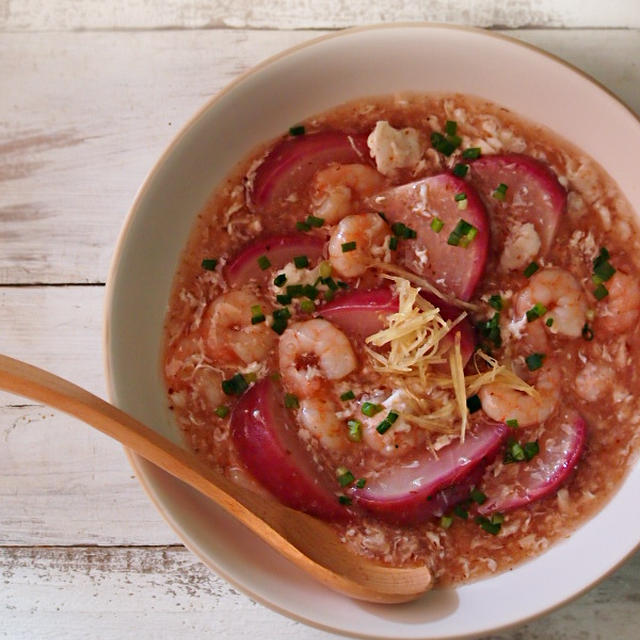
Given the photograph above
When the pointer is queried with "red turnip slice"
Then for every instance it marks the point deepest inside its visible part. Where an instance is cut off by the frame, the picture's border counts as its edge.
(293, 162)
(520, 483)
(362, 313)
(265, 436)
(456, 269)
(533, 193)
(280, 250)
(404, 494)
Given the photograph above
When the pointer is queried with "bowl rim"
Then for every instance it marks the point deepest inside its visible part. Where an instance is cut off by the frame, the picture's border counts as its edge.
(137, 462)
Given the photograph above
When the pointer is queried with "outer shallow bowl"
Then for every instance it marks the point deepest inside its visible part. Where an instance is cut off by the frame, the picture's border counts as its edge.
(259, 106)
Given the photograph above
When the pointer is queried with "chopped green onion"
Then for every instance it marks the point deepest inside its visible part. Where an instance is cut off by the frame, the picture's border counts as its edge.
(463, 233)
(531, 449)
(222, 411)
(537, 311)
(512, 423)
(283, 299)
(258, 318)
(291, 401)
(345, 477)
(460, 170)
(531, 269)
(495, 301)
(346, 500)
(310, 291)
(302, 226)
(295, 290)
(386, 424)
(600, 292)
(451, 127)
(342, 285)
(393, 243)
(280, 320)
(329, 295)
(500, 191)
(235, 386)
(490, 526)
(549, 322)
(348, 395)
(370, 409)
(534, 361)
(603, 256)
(301, 262)
(477, 496)
(587, 332)
(209, 264)
(298, 130)
(473, 403)
(461, 512)
(437, 224)
(462, 201)
(361, 482)
(381, 214)
(307, 306)
(472, 153)
(491, 329)
(348, 246)
(444, 145)
(446, 522)
(264, 262)
(314, 221)
(513, 453)
(325, 269)
(402, 231)
(355, 430)
(279, 280)
(460, 196)
(603, 272)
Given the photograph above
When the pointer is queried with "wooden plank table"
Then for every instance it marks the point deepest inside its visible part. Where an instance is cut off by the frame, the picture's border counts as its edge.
(90, 95)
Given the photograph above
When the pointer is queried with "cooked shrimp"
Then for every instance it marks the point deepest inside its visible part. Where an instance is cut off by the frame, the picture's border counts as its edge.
(339, 189)
(208, 384)
(621, 307)
(229, 335)
(311, 353)
(318, 416)
(561, 295)
(594, 381)
(356, 243)
(501, 402)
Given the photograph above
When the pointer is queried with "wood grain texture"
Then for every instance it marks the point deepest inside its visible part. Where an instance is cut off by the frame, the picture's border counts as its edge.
(164, 592)
(88, 114)
(60, 15)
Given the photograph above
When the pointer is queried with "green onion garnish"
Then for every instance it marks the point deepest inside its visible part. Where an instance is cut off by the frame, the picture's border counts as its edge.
(477, 496)
(310, 291)
(298, 130)
(451, 127)
(437, 224)
(402, 231)
(370, 409)
(342, 285)
(331, 283)
(386, 424)
(512, 423)
(264, 262)
(307, 306)
(295, 290)
(222, 411)
(463, 233)
(381, 214)
(534, 361)
(587, 332)
(500, 191)
(472, 153)
(235, 386)
(491, 329)
(461, 512)
(361, 482)
(600, 292)
(302, 226)
(513, 453)
(393, 243)
(355, 430)
(291, 401)
(325, 269)
(531, 269)
(301, 262)
(209, 264)
(280, 320)
(549, 322)
(345, 477)
(473, 403)
(460, 196)
(314, 221)
(283, 298)
(444, 145)
(603, 272)
(279, 280)
(492, 525)
(345, 500)
(348, 395)
(446, 522)
(348, 246)
(531, 449)
(460, 170)
(603, 256)
(537, 311)
(495, 301)
(257, 316)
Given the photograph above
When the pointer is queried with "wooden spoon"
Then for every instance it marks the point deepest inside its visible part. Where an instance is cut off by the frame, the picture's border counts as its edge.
(311, 544)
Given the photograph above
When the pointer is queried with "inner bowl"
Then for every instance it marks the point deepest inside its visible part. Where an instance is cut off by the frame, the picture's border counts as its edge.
(257, 107)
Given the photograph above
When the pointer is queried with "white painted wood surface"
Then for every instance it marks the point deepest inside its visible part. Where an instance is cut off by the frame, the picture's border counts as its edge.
(90, 94)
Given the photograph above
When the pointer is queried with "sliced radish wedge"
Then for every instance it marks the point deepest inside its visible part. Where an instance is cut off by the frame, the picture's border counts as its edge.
(520, 483)
(362, 313)
(457, 269)
(279, 250)
(293, 162)
(265, 436)
(533, 193)
(404, 494)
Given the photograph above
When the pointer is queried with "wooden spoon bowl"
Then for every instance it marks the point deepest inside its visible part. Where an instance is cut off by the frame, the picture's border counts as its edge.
(311, 544)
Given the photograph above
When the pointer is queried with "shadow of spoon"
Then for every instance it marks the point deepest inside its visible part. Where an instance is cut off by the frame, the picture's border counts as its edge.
(311, 544)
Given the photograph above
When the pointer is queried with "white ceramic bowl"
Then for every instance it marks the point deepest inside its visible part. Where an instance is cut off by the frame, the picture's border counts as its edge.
(260, 105)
